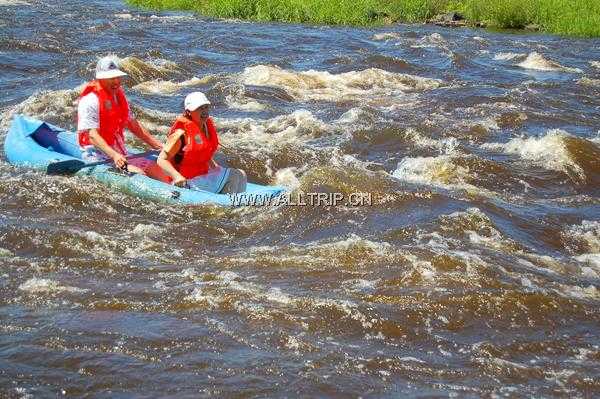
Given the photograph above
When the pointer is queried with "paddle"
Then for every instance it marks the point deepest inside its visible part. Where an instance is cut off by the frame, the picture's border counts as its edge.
(73, 166)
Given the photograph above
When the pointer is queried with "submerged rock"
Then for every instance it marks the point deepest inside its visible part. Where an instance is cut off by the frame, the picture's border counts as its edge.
(452, 19)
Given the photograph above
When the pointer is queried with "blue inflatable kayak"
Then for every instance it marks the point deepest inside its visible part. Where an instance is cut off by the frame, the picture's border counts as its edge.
(33, 143)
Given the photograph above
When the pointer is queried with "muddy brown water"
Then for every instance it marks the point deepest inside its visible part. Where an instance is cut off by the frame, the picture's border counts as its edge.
(475, 271)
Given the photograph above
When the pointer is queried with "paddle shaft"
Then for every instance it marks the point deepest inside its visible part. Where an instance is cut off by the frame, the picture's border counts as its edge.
(141, 154)
(73, 166)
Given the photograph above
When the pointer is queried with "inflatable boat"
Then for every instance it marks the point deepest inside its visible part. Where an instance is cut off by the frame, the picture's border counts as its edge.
(40, 145)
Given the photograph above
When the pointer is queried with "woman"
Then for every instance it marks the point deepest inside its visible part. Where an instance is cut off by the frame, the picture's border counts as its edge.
(188, 155)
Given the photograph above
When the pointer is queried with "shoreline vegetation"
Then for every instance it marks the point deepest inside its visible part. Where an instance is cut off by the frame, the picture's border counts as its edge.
(563, 17)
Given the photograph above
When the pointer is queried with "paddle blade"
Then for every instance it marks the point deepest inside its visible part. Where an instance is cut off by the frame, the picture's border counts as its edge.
(69, 167)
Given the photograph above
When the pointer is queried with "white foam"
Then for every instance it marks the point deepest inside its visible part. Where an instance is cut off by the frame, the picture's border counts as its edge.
(95, 237)
(316, 255)
(23, 394)
(293, 343)
(411, 359)
(124, 16)
(189, 274)
(431, 170)
(167, 87)
(595, 64)
(432, 40)
(360, 285)
(103, 246)
(590, 259)
(548, 151)
(358, 117)
(386, 36)
(488, 124)
(495, 240)
(258, 136)
(228, 276)
(13, 3)
(560, 377)
(472, 224)
(163, 123)
(575, 291)
(424, 268)
(587, 354)
(589, 272)
(44, 105)
(588, 232)
(141, 70)
(341, 160)
(367, 85)
(547, 264)
(537, 61)
(198, 295)
(525, 282)
(238, 100)
(349, 308)
(508, 56)
(145, 230)
(256, 301)
(287, 178)
(46, 286)
(503, 364)
(448, 146)
(246, 105)
(585, 81)
(278, 296)
(353, 241)
(380, 249)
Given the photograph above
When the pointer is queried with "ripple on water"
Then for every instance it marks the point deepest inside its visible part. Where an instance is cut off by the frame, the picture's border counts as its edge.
(474, 272)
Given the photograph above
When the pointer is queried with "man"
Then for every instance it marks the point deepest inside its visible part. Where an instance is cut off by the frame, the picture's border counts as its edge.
(103, 114)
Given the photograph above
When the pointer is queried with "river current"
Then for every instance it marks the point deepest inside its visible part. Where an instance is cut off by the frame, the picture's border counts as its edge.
(474, 271)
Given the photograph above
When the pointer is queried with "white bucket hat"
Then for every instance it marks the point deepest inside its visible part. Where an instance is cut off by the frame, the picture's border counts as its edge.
(195, 100)
(108, 67)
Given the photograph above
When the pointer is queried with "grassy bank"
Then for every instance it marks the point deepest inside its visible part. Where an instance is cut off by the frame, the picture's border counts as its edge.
(567, 17)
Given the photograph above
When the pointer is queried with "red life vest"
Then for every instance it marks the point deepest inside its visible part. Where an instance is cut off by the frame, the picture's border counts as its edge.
(199, 147)
(113, 115)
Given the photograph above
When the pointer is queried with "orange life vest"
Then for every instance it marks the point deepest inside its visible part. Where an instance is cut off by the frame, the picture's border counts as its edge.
(194, 157)
(113, 115)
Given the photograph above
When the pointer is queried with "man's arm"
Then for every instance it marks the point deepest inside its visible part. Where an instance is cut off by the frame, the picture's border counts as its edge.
(138, 130)
(101, 144)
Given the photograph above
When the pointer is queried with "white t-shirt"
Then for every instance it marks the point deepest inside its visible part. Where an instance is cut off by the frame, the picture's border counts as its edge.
(88, 113)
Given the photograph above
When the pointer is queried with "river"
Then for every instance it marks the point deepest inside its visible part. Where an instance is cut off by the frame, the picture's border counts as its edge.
(474, 271)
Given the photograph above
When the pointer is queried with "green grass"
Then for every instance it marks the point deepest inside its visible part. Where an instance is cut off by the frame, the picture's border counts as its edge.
(332, 12)
(566, 17)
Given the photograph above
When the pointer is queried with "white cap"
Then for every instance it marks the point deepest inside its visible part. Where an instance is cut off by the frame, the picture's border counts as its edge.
(195, 100)
(108, 67)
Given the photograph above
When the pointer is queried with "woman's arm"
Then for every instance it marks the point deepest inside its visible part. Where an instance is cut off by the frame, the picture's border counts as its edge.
(165, 157)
